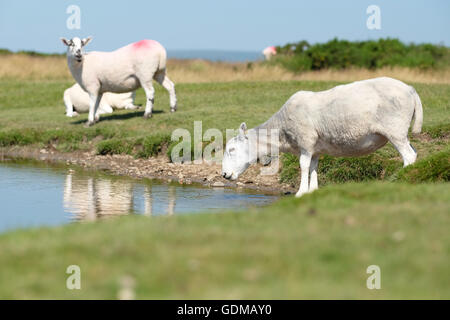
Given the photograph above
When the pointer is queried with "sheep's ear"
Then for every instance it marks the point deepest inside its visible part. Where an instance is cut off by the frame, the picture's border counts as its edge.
(242, 129)
(66, 42)
(85, 41)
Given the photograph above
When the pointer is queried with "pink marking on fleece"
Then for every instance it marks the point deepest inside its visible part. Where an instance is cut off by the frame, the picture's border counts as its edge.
(143, 44)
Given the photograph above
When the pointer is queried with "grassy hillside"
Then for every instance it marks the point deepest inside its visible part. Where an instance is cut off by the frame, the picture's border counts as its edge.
(38, 119)
(318, 246)
(38, 67)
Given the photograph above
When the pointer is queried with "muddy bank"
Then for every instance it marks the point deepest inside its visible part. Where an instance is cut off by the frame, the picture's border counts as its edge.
(153, 168)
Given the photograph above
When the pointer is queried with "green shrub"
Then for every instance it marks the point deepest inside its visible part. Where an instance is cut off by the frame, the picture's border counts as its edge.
(431, 169)
(114, 146)
(357, 169)
(16, 137)
(152, 145)
(371, 54)
(289, 168)
(340, 169)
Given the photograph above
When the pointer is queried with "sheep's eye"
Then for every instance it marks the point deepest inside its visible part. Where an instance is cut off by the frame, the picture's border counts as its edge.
(231, 150)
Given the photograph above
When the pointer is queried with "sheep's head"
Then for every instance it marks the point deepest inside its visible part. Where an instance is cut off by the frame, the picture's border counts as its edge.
(237, 157)
(75, 47)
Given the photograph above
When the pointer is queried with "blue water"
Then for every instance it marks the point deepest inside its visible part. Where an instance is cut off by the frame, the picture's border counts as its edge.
(34, 195)
(216, 55)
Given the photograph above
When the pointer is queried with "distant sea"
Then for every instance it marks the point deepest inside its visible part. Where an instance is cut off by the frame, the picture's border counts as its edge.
(216, 55)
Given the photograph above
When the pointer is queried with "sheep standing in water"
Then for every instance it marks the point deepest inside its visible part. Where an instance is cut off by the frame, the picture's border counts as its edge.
(77, 101)
(349, 120)
(123, 70)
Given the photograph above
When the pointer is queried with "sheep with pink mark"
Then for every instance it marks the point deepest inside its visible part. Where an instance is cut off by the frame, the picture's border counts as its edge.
(123, 70)
(269, 52)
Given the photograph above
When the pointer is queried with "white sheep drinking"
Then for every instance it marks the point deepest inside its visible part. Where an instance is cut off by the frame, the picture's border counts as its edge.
(77, 101)
(348, 120)
(123, 70)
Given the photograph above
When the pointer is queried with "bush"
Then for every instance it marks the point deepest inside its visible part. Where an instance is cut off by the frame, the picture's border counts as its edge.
(16, 137)
(357, 169)
(290, 168)
(152, 145)
(340, 169)
(431, 169)
(341, 54)
(114, 146)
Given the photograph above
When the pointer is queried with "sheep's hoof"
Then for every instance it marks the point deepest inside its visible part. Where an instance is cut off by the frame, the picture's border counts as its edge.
(147, 115)
(299, 194)
(173, 109)
(89, 124)
(96, 119)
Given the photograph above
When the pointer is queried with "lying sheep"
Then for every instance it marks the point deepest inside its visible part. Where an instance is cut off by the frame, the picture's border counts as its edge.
(77, 101)
(123, 70)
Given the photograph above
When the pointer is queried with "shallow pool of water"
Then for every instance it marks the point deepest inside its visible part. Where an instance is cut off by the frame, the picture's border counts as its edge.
(36, 194)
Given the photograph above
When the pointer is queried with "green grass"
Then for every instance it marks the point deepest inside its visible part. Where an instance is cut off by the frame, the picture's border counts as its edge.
(433, 168)
(318, 246)
(33, 113)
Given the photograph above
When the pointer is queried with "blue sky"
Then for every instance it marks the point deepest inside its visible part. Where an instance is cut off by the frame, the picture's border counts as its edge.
(223, 25)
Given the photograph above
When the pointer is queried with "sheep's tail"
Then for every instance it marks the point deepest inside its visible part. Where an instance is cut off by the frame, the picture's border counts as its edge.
(162, 59)
(418, 114)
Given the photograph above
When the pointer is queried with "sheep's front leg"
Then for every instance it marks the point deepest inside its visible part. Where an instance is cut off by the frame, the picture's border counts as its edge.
(93, 107)
(150, 94)
(305, 161)
(313, 184)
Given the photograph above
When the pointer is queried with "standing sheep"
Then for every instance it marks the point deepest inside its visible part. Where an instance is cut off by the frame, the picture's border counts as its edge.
(269, 52)
(77, 101)
(348, 120)
(123, 70)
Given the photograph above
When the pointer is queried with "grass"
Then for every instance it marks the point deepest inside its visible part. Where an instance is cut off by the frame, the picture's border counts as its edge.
(38, 119)
(431, 169)
(54, 68)
(318, 246)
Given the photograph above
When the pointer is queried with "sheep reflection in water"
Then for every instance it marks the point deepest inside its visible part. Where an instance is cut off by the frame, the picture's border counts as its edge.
(90, 198)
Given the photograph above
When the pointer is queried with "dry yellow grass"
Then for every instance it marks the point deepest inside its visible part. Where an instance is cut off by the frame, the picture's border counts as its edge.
(23, 67)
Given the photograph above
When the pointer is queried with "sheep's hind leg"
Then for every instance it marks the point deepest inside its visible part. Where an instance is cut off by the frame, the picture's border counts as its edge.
(164, 80)
(150, 94)
(305, 162)
(406, 151)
